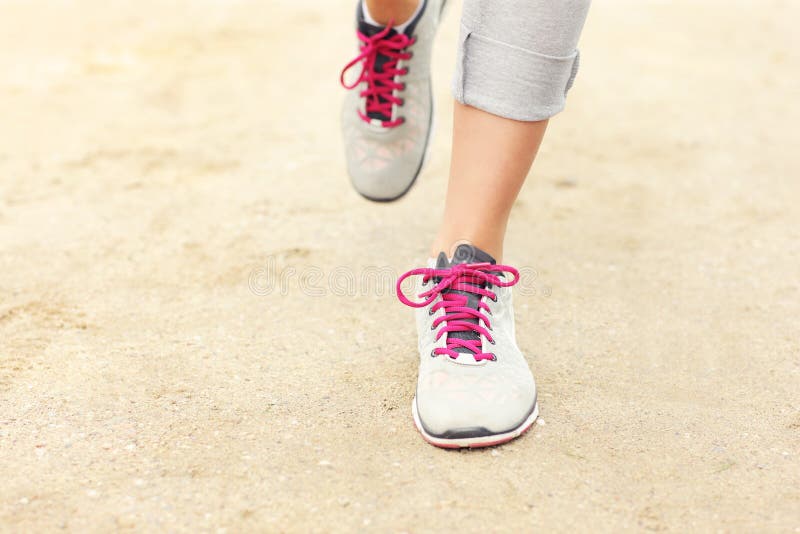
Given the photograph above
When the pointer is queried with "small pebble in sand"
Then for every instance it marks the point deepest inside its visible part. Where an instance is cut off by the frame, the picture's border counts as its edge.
(540, 422)
(92, 493)
(127, 521)
(324, 463)
(24, 500)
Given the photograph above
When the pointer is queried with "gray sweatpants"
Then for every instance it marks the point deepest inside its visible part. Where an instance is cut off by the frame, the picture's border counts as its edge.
(518, 58)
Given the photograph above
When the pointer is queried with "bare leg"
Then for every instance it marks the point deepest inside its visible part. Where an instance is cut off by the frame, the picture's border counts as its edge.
(517, 60)
(490, 159)
(395, 11)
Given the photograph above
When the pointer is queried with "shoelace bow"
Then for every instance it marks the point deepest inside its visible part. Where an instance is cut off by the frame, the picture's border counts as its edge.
(380, 85)
(468, 277)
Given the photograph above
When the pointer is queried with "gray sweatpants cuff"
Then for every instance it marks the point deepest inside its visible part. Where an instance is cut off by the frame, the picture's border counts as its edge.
(510, 81)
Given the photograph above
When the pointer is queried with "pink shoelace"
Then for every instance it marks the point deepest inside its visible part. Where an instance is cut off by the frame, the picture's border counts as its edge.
(468, 277)
(380, 85)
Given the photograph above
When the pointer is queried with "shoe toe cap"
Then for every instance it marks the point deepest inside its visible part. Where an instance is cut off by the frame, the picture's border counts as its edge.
(383, 163)
(475, 410)
(383, 176)
(382, 185)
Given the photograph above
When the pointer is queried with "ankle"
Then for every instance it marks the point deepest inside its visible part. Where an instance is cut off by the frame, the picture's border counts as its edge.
(447, 243)
(395, 11)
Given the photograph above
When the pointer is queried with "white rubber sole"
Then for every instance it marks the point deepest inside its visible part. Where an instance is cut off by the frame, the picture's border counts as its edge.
(484, 441)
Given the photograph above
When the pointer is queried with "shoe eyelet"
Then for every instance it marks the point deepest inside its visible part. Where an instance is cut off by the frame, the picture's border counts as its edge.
(494, 298)
(491, 341)
(406, 71)
(433, 327)
(402, 102)
(433, 353)
(494, 357)
(402, 120)
(430, 311)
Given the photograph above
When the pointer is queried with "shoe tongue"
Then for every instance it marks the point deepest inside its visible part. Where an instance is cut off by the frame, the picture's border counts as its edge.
(369, 30)
(471, 254)
(441, 261)
(465, 254)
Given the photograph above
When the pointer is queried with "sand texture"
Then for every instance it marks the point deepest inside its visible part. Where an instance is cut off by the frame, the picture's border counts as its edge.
(189, 342)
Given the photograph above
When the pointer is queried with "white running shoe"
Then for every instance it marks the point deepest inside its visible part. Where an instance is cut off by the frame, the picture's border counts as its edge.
(475, 388)
(387, 115)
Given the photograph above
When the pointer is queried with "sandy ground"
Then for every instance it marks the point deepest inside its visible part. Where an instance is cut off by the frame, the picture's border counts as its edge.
(158, 158)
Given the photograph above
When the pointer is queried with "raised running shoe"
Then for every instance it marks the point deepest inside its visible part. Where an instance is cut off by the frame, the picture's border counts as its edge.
(387, 114)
